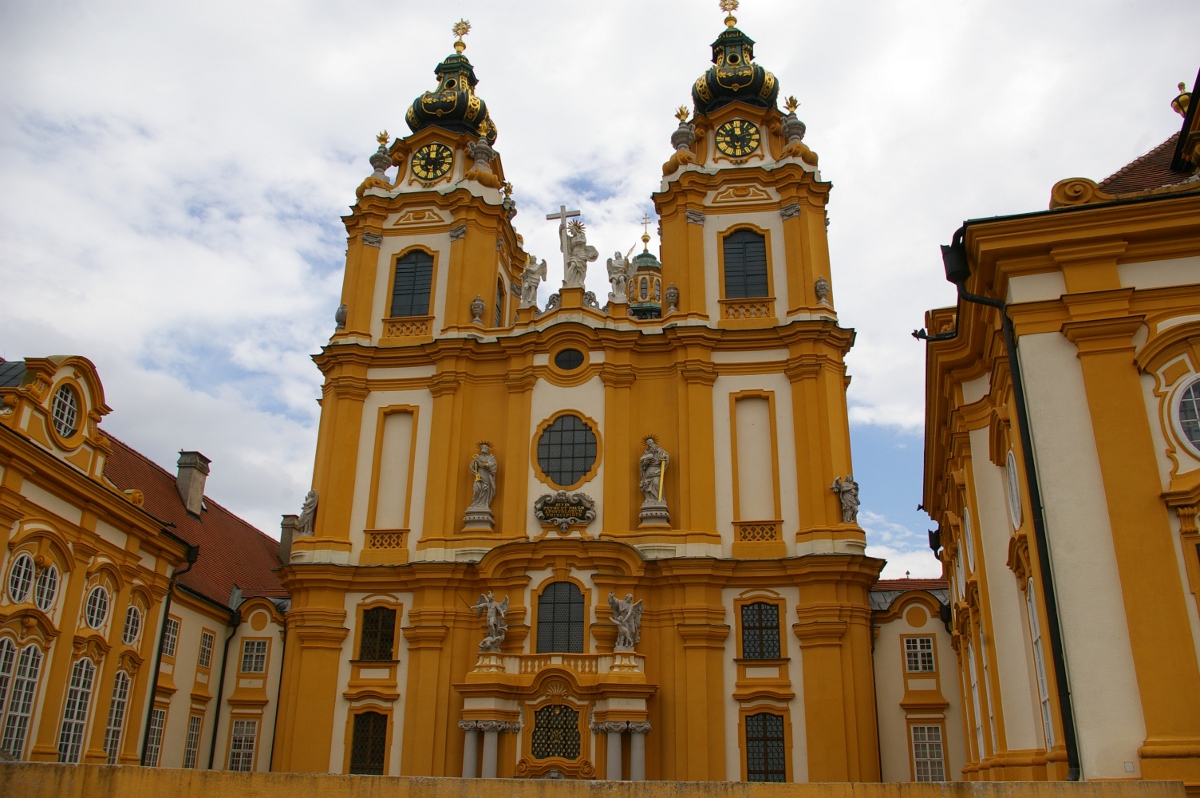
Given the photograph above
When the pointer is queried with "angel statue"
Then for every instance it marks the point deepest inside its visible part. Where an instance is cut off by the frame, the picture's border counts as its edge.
(847, 492)
(497, 625)
(532, 275)
(576, 252)
(620, 272)
(308, 515)
(627, 615)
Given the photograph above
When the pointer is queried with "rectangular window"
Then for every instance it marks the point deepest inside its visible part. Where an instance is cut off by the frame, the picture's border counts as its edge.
(378, 633)
(192, 743)
(975, 702)
(158, 720)
(760, 631)
(79, 697)
(241, 745)
(20, 704)
(412, 284)
(765, 755)
(1039, 664)
(929, 764)
(206, 649)
(116, 717)
(254, 656)
(745, 254)
(369, 744)
(918, 654)
(170, 637)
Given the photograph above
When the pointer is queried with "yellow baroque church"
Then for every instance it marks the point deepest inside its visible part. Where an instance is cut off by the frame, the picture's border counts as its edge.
(649, 501)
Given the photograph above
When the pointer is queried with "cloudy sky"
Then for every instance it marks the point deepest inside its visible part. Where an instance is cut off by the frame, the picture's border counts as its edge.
(172, 176)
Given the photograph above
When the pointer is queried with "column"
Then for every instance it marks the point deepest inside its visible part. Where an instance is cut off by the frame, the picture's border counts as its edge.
(637, 750)
(491, 737)
(613, 730)
(470, 767)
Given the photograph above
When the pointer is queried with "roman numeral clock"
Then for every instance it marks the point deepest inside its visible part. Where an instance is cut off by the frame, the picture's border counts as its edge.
(738, 138)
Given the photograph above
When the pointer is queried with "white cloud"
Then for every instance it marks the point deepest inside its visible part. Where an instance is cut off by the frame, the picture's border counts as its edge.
(174, 173)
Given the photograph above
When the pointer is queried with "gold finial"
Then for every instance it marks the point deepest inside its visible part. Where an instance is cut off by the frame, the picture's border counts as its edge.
(729, 6)
(507, 187)
(460, 29)
(791, 103)
(1182, 101)
(682, 113)
(382, 138)
(645, 232)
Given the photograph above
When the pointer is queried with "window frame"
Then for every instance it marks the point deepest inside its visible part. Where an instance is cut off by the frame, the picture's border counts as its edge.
(211, 636)
(87, 606)
(191, 744)
(390, 297)
(30, 683)
(156, 730)
(927, 723)
(114, 728)
(355, 712)
(744, 715)
(37, 588)
(266, 656)
(242, 752)
(76, 707)
(537, 619)
(545, 425)
(362, 629)
(904, 652)
(172, 634)
(722, 283)
(30, 577)
(739, 605)
(1176, 407)
(73, 440)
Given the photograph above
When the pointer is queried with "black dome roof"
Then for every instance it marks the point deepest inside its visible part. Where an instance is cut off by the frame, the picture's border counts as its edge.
(453, 105)
(733, 75)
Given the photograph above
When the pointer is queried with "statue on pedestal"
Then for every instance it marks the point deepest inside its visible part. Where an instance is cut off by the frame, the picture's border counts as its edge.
(483, 489)
(533, 274)
(577, 253)
(653, 468)
(620, 272)
(497, 623)
(627, 615)
(308, 515)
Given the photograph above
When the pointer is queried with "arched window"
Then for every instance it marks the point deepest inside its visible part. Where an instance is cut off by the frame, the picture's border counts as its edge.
(369, 745)
(745, 254)
(645, 285)
(560, 619)
(410, 289)
(79, 698)
(20, 700)
(116, 716)
(765, 743)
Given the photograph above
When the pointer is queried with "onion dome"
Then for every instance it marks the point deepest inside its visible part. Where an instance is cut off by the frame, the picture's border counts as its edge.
(453, 105)
(733, 75)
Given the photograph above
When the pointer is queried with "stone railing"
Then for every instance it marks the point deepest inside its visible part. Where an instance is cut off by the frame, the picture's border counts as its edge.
(748, 308)
(407, 327)
(757, 531)
(386, 539)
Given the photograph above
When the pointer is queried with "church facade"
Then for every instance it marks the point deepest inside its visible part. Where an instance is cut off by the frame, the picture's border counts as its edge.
(648, 504)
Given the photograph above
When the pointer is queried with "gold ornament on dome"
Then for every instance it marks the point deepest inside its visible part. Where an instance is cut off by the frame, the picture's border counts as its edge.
(791, 103)
(382, 138)
(729, 6)
(682, 113)
(460, 29)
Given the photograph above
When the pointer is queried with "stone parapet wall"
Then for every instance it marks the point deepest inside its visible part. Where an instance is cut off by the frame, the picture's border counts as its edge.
(37, 780)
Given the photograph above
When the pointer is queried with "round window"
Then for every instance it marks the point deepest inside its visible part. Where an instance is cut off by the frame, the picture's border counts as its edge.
(133, 625)
(65, 411)
(47, 588)
(96, 609)
(1014, 490)
(20, 578)
(1188, 415)
(568, 359)
(566, 450)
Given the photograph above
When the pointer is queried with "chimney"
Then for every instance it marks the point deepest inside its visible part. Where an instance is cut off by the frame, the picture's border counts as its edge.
(193, 469)
(287, 531)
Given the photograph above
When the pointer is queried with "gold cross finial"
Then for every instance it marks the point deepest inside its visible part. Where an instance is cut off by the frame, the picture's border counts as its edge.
(460, 29)
(646, 232)
(382, 138)
(729, 6)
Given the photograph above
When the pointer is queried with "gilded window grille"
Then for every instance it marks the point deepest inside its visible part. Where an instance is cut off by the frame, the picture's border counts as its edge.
(556, 733)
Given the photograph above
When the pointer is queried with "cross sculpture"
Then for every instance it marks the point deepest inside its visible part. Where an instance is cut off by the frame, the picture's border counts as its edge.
(574, 246)
(563, 240)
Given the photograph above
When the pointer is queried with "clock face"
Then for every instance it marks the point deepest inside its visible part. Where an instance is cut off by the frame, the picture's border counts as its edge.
(738, 138)
(432, 161)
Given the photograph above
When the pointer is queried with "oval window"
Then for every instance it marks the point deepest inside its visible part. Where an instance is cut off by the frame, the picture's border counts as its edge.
(96, 609)
(20, 578)
(1014, 490)
(1188, 414)
(65, 411)
(133, 625)
(568, 359)
(566, 450)
(47, 588)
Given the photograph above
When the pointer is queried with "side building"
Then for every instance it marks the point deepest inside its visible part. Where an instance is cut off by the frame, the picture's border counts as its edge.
(1062, 464)
(119, 575)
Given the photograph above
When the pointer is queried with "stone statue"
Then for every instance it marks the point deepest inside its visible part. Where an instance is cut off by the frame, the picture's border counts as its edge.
(627, 615)
(483, 469)
(847, 492)
(821, 289)
(497, 623)
(577, 253)
(652, 466)
(477, 310)
(620, 272)
(308, 515)
(533, 275)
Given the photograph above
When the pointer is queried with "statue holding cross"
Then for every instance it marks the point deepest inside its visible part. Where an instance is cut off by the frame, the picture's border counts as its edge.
(576, 251)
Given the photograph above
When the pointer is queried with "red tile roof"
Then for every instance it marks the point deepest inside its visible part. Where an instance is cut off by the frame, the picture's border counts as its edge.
(1152, 170)
(911, 584)
(232, 552)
